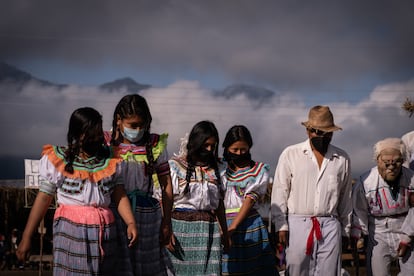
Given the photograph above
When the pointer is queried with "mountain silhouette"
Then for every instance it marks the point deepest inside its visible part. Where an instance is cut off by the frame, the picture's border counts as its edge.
(11, 75)
(125, 83)
(250, 91)
(14, 76)
(258, 96)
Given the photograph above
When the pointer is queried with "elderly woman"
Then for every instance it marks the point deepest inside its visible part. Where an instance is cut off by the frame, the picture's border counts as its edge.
(381, 202)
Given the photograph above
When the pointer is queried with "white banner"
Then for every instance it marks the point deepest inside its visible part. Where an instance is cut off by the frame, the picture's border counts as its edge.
(31, 168)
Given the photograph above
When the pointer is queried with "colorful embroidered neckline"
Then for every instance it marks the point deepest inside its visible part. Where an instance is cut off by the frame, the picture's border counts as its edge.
(93, 169)
(241, 177)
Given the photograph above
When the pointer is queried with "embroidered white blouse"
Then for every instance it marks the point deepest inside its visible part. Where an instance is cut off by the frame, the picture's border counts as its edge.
(247, 182)
(91, 184)
(205, 190)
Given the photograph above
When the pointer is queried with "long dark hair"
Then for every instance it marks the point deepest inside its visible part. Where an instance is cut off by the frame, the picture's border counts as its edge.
(128, 106)
(85, 125)
(199, 134)
(237, 133)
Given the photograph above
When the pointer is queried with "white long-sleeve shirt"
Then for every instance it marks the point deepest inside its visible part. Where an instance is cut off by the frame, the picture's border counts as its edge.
(302, 188)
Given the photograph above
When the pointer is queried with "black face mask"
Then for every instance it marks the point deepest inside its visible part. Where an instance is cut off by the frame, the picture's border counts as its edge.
(321, 143)
(205, 156)
(240, 160)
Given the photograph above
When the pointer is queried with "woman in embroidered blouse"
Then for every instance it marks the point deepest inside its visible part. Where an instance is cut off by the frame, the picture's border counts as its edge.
(148, 184)
(198, 219)
(246, 183)
(85, 176)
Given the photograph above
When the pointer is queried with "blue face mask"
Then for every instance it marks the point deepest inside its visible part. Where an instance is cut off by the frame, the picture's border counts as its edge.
(133, 135)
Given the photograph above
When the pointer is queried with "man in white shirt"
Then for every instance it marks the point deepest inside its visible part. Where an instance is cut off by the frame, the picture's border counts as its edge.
(381, 202)
(311, 199)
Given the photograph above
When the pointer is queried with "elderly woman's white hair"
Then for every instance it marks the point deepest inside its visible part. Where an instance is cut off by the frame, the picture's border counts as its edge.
(390, 143)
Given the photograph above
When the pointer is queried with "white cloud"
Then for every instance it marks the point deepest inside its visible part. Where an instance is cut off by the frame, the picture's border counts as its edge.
(37, 115)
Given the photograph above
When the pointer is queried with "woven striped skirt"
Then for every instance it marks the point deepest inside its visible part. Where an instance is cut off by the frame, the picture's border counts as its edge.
(251, 252)
(84, 241)
(198, 243)
(147, 257)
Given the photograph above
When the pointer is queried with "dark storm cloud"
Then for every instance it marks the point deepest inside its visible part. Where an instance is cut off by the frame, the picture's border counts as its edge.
(282, 43)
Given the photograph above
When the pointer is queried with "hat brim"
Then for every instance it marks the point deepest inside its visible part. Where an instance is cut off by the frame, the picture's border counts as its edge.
(325, 129)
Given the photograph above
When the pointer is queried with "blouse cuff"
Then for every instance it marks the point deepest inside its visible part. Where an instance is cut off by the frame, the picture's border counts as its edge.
(254, 196)
(47, 187)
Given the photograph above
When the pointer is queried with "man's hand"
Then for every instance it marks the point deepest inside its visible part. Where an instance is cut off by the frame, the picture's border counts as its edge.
(411, 199)
(284, 238)
(402, 249)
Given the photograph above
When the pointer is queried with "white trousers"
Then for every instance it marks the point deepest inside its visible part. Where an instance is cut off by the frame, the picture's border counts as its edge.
(325, 255)
(383, 240)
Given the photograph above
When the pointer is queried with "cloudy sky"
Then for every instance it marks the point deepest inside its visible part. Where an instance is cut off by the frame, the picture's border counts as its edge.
(355, 56)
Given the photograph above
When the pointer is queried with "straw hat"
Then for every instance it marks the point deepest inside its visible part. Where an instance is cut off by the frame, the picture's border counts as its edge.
(320, 117)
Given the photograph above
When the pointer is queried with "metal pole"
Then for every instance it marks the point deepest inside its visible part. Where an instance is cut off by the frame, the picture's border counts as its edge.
(41, 230)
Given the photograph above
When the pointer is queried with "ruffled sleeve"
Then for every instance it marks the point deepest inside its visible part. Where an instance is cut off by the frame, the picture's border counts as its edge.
(162, 167)
(222, 170)
(178, 174)
(49, 176)
(258, 188)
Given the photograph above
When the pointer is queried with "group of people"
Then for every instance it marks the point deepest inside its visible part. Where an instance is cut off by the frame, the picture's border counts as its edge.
(317, 211)
(126, 208)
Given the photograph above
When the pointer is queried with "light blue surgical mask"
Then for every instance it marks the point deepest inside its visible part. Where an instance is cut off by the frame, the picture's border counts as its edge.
(133, 135)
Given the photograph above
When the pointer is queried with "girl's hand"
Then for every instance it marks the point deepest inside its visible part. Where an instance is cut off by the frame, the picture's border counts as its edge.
(166, 233)
(132, 234)
(171, 244)
(227, 242)
(23, 250)
(231, 230)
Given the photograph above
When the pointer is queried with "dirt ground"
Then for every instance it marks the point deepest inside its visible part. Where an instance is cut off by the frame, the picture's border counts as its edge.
(351, 271)
(33, 271)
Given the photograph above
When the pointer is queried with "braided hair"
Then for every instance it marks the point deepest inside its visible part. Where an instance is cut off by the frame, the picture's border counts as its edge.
(200, 133)
(85, 127)
(135, 105)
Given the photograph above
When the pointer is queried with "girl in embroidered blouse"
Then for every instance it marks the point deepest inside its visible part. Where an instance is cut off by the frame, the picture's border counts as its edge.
(198, 219)
(148, 184)
(246, 182)
(85, 176)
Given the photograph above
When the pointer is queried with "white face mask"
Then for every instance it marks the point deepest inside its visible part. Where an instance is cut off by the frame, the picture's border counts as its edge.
(133, 135)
